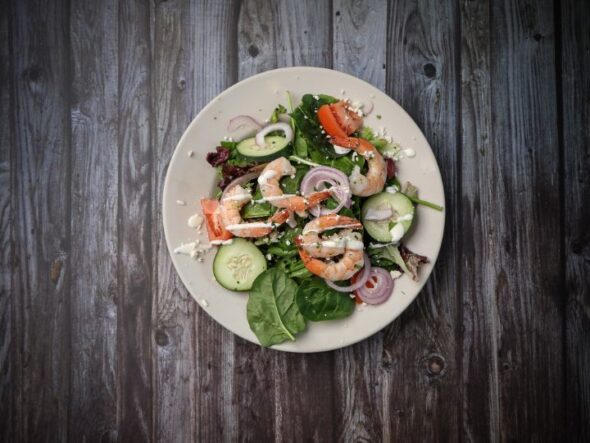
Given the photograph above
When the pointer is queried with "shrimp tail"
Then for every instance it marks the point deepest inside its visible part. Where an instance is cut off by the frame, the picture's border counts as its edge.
(317, 197)
(346, 142)
(280, 217)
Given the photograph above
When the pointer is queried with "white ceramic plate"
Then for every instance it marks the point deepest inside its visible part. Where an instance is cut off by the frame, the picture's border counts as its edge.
(190, 178)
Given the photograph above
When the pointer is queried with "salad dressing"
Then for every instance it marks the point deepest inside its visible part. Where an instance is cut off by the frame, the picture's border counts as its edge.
(397, 232)
(255, 225)
(265, 177)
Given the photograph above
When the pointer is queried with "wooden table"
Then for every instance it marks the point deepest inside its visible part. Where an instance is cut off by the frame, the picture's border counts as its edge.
(99, 340)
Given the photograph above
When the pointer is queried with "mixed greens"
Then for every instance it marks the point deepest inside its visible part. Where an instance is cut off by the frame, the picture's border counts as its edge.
(309, 216)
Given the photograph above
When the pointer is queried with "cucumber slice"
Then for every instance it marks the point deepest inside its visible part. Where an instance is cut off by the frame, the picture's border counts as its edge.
(276, 146)
(237, 265)
(402, 208)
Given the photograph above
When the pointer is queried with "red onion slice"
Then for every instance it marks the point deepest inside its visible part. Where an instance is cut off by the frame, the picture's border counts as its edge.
(368, 108)
(363, 276)
(243, 120)
(283, 127)
(316, 180)
(380, 289)
(254, 173)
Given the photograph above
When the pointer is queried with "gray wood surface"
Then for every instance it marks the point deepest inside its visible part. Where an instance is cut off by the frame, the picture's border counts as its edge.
(574, 118)
(99, 339)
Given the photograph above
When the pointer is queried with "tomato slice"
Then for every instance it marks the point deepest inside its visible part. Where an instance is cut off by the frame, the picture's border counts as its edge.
(353, 280)
(329, 122)
(215, 229)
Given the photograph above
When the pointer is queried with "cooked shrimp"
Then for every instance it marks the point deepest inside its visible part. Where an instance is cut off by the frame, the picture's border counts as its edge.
(351, 249)
(346, 118)
(373, 182)
(229, 213)
(272, 193)
(333, 245)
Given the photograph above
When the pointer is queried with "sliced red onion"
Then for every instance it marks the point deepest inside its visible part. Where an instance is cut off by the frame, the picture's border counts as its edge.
(368, 108)
(255, 172)
(316, 180)
(378, 214)
(243, 120)
(283, 127)
(363, 275)
(380, 290)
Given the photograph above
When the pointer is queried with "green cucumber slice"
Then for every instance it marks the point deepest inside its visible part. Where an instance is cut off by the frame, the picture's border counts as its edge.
(276, 146)
(402, 208)
(237, 265)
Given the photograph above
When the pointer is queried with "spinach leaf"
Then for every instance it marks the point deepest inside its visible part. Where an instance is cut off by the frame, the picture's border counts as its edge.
(344, 163)
(308, 125)
(257, 210)
(272, 312)
(291, 185)
(300, 145)
(318, 302)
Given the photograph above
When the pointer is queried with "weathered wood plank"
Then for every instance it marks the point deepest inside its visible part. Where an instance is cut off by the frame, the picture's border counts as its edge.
(575, 118)
(194, 355)
(274, 407)
(216, 409)
(421, 351)
(360, 39)
(134, 399)
(525, 245)
(40, 151)
(360, 48)
(480, 371)
(94, 184)
(174, 354)
(7, 319)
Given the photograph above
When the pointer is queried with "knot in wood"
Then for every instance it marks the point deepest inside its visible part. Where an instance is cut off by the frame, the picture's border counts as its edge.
(435, 365)
(161, 337)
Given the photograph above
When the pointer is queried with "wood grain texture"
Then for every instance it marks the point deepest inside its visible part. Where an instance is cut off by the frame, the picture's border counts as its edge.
(194, 355)
(6, 241)
(423, 346)
(275, 407)
(216, 409)
(99, 339)
(95, 187)
(173, 313)
(575, 118)
(40, 159)
(479, 365)
(360, 49)
(134, 358)
(525, 252)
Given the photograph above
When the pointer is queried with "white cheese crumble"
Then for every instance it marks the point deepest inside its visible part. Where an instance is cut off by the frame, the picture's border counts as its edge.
(195, 221)
(181, 202)
(395, 274)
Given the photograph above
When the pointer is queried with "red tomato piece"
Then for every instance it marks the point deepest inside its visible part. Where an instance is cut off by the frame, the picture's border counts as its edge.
(215, 229)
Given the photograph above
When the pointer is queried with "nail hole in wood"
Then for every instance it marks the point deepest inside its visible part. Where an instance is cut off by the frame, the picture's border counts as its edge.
(429, 70)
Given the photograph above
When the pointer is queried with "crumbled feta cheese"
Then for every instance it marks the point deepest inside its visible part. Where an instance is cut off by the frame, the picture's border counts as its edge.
(191, 153)
(395, 274)
(181, 202)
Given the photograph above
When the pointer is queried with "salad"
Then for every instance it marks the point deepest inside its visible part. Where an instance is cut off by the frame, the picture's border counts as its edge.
(309, 215)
